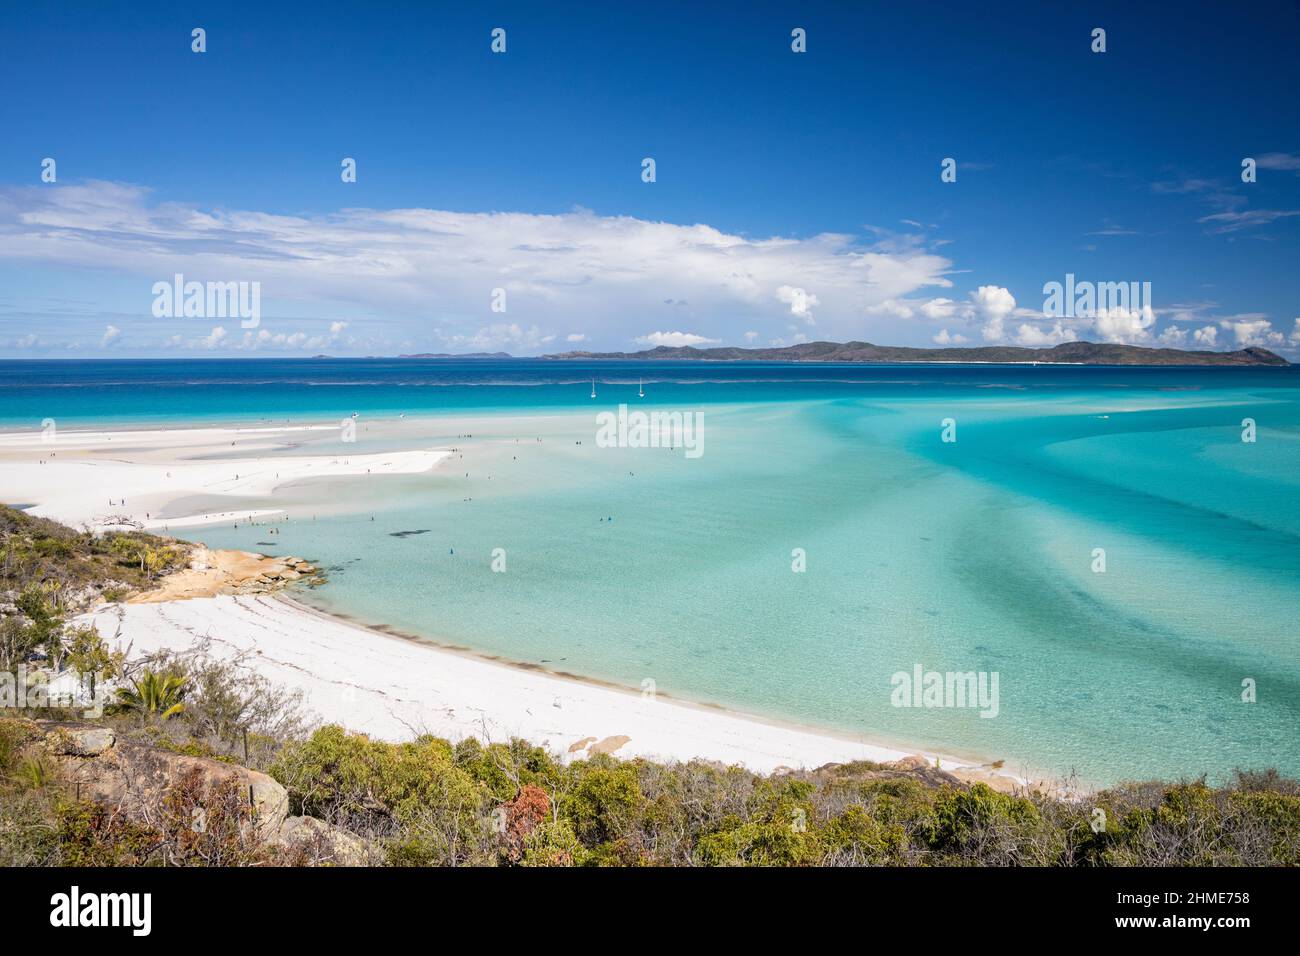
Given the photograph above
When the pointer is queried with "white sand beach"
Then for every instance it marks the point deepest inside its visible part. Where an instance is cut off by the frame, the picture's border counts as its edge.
(107, 479)
(393, 688)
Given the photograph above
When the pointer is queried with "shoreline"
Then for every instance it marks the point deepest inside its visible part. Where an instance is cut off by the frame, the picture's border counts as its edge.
(401, 685)
(948, 757)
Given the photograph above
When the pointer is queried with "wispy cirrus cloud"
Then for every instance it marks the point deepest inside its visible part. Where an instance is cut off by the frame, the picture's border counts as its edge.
(1245, 219)
(1283, 161)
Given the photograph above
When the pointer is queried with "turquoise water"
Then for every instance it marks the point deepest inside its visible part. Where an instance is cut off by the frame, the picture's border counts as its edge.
(975, 555)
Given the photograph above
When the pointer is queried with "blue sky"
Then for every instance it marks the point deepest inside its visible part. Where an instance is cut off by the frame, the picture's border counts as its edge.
(797, 196)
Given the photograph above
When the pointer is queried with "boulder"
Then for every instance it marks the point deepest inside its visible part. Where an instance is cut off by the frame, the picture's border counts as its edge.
(317, 842)
(79, 741)
(134, 778)
(913, 762)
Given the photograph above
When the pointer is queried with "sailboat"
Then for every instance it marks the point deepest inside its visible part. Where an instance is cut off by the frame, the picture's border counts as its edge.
(593, 388)
(640, 388)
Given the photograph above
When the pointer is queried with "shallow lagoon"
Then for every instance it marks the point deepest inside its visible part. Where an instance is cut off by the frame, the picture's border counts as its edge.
(976, 555)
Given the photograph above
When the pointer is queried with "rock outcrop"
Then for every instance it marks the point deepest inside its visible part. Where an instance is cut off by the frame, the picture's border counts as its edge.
(309, 841)
(133, 778)
(229, 572)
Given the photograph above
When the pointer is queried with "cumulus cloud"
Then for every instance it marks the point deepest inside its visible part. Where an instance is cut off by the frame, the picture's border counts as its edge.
(939, 309)
(1173, 337)
(892, 309)
(284, 340)
(1252, 330)
(111, 335)
(1207, 337)
(214, 338)
(674, 339)
(617, 269)
(575, 337)
(801, 302)
(1034, 336)
(500, 336)
(992, 305)
(1125, 326)
(944, 337)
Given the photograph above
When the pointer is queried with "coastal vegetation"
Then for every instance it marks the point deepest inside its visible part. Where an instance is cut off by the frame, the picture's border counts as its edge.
(431, 802)
(73, 567)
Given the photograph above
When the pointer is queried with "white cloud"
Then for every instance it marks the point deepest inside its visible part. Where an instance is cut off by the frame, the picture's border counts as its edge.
(111, 335)
(283, 340)
(336, 329)
(397, 261)
(1034, 336)
(801, 302)
(575, 337)
(1206, 337)
(939, 309)
(1125, 326)
(892, 308)
(1245, 219)
(674, 339)
(751, 336)
(1249, 330)
(944, 337)
(499, 337)
(1173, 336)
(1279, 161)
(214, 338)
(1294, 337)
(992, 305)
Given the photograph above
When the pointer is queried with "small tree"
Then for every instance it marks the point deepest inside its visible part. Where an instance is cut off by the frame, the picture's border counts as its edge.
(18, 640)
(90, 657)
(153, 561)
(47, 624)
(128, 550)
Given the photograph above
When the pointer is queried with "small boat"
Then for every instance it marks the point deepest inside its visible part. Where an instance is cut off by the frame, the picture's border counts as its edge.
(640, 388)
(593, 388)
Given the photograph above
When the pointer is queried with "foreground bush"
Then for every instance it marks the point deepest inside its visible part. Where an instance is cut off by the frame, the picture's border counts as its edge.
(427, 802)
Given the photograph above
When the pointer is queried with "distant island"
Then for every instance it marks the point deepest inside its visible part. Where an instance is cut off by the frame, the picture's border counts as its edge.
(466, 355)
(429, 355)
(1068, 353)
